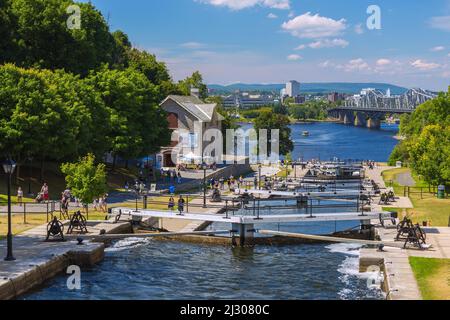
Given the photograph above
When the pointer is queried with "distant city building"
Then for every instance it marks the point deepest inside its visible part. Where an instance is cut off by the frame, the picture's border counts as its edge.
(293, 88)
(335, 97)
(300, 99)
(247, 100)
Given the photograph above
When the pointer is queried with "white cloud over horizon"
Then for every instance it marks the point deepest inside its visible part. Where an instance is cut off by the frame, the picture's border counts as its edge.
(437, 49)
(424, 65)
(441, 23)
(244, 4)
(294, 57)
(324, 43)
(310, 26)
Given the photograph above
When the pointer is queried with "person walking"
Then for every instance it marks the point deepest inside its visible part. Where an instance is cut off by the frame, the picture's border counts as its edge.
(181, 205)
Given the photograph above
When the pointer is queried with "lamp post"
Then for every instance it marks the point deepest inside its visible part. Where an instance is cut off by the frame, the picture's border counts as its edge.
(30, 159)
(259, 176)
(204, 184)
(9, 166)
(136, 189)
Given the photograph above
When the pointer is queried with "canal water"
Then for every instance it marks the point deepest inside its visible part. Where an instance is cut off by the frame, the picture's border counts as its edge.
(149, 269)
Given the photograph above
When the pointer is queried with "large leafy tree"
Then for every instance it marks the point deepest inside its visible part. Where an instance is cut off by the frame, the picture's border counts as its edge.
(44, 40)
(138, 126)
(33, 119)
(430, 154)
(8, 48)
(426, 146)
(273, 121)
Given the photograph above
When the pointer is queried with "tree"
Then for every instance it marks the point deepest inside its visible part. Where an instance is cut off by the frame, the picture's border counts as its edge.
(85, 179)
(33, 119)
(194, 81)
(8, 48)
(155, 71)
(430, 154)
(427, 140)
(272, 121)
(45, 41)
(138, 125)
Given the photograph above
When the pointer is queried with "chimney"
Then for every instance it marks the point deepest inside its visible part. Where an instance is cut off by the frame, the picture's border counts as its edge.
(195, 92)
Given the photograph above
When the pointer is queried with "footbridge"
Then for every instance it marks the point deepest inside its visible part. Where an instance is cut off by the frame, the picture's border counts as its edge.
(244, 225)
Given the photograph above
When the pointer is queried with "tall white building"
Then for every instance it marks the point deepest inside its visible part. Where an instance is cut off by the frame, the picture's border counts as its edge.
(293, 88)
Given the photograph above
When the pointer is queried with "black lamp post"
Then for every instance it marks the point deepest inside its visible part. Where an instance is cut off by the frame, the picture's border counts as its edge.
(136, 189)
(30, 159)
(9, 166)
(259, 176)
(204, 167)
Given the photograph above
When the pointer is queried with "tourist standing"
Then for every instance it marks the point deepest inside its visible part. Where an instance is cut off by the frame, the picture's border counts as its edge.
(19, 196)
(44, 192)
(171, 204)
(181, 205)
(179, 177)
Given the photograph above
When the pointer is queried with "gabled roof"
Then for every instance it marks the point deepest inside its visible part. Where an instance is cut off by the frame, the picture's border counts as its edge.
(195, 106)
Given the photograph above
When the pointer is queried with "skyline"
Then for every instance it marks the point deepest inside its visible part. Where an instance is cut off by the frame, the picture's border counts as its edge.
(273, 41)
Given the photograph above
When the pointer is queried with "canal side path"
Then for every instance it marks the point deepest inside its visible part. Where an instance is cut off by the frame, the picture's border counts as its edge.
(399, 277)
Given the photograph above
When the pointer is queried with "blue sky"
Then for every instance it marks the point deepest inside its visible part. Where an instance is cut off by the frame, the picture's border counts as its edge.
(272, 41)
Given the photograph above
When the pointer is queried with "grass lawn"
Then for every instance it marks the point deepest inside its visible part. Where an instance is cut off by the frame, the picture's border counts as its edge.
(430, 208)
(282, 173)
(433, 277)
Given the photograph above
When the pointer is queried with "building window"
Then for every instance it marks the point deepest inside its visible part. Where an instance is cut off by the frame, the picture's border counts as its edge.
(172, 118)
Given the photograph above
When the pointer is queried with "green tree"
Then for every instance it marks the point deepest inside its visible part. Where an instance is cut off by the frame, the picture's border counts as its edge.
(8, 48)
(138, 125)
(33, 118)
(44, 40)
(85, 179)
(194, 81)
(430, 154)
(272, 121)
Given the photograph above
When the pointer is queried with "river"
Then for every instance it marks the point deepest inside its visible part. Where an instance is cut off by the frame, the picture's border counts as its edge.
(148, 269)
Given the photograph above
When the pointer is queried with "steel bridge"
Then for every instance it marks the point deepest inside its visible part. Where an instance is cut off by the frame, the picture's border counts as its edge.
(371, 106)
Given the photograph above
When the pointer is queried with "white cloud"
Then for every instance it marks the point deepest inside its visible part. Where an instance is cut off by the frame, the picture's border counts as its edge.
(326, 64)
(294, 57)
(355, 65)
(193, 45)
(383, 62)
(423, 65)
(314, 26)
(438, 48)
(291, 14)
(442, 23)
(326, 43)
(272, 16)
(359, 29)
(243, 4)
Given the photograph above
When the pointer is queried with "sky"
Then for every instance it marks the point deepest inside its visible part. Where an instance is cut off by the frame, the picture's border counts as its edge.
(274, 41)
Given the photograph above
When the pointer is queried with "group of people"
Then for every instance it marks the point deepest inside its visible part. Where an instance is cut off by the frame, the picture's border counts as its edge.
(173, 175)
(101, 204)
(230, 183)
(180, 203)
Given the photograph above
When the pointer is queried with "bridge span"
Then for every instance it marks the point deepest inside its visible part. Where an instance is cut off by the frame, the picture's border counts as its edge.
(371, 106)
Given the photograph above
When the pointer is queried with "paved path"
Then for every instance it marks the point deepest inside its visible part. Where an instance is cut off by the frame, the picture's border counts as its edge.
(405, 179)
(399, 274)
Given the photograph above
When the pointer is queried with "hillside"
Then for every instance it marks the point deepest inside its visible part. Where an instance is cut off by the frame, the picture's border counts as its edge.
(341, 87)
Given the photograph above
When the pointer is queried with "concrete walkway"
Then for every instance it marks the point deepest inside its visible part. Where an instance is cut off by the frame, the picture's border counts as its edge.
(399, 277)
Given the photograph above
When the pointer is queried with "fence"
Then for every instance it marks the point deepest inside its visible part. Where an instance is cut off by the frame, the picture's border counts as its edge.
(31, 208)
(407, 191)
